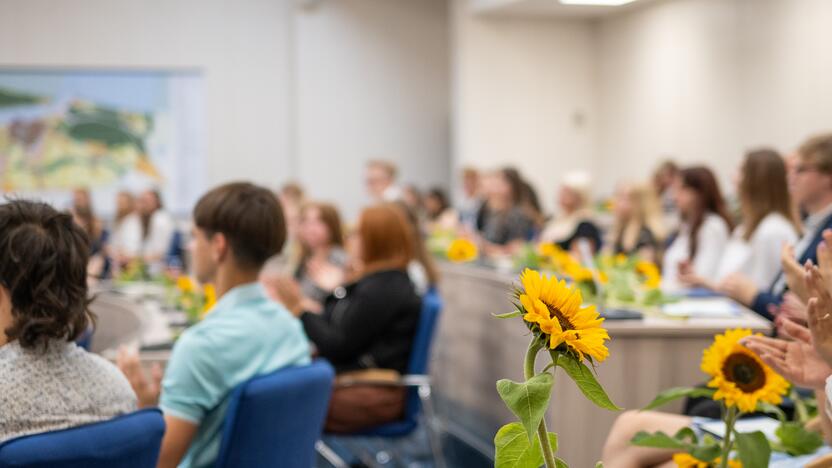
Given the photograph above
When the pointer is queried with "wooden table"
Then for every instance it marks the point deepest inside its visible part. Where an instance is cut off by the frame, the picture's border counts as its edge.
(473, 350)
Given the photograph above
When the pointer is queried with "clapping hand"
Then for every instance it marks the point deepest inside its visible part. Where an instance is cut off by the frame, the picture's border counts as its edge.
(147, 388)
(326, 275)
(793, 308)
(820, 313)
(287, 291)
(797, 360)
(739, 287)
(794, 273)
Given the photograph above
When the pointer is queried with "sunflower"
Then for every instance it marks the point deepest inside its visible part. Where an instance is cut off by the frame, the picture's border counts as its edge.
(686, 460)
(557, 310)
(210, 298)
(650, 274)
(740, 378)
(185, 284)
(462, 250)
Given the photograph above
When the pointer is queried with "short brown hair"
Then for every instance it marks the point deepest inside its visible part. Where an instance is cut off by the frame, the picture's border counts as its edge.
(388, 167)
(43, 265)
(248, 216)
(818, 151)
(386, 238)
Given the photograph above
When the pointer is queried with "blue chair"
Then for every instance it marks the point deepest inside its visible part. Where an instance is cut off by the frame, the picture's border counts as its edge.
(419, 389)
(129, 441)
(275, 419)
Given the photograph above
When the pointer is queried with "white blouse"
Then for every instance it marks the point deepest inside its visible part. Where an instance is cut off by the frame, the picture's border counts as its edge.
(758, 258)
(127, 236)
(711, 239)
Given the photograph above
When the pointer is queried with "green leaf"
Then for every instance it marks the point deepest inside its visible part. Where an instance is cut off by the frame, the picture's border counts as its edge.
(753, 449)
(508, 315)
(675, 393)
(513, 449)
(658, 440)
(560, 463)
(796, 440)
(599, 465)
(704, 452)
(527, 400)
(708, 451)
(768, 408)
(584, 379)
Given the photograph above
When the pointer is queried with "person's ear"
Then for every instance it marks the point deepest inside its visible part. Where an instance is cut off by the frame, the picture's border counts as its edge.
(219, 247)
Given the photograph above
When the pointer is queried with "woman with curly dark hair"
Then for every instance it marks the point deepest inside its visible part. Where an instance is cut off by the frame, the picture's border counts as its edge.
(43, 309)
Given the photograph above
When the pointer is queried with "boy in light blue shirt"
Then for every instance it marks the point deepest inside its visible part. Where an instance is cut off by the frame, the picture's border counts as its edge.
(237, 227)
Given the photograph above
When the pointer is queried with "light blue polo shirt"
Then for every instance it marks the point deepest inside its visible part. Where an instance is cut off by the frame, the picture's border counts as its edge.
(245, 335)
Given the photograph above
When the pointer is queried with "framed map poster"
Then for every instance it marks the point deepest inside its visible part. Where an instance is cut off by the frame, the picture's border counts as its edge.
(105, 130)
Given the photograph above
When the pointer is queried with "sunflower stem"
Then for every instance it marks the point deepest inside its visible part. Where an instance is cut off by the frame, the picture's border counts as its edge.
(542, 432)
(730, 419)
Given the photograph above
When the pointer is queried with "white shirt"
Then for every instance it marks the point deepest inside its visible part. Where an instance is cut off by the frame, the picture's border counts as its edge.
(159, 235)
(711, 239)
(127, 236)
(758, 258)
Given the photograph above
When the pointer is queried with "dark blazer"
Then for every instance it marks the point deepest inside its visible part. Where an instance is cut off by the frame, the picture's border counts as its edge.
(368, 324)
(766, 298)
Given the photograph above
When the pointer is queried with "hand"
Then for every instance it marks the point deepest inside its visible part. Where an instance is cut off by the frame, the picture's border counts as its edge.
(820, 313)
(326, 275)
(286, 290)
(738, 287)
(794, 273)
(797, 361)
(793, 308)
(825, 257)
(147, 389)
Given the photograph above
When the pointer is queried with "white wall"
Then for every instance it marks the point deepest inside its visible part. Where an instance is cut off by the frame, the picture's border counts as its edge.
(705, 80)
(524, 95)
(372, 82)
(291, 93)
(241, 47)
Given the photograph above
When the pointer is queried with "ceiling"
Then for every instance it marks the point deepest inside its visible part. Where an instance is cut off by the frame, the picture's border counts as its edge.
(548, 8)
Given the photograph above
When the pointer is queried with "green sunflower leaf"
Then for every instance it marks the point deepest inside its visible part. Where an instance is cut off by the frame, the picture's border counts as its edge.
(559, 463)
(675, 393)
(796, 440)
(528, 400)
(658, 440)
(705, 452)
(753, 449)
(768, 408)
(516, 313)
(584, 379)
(513, 450)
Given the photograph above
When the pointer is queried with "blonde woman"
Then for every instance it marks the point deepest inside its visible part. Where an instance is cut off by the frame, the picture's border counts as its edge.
(575, 221)
(638, 228)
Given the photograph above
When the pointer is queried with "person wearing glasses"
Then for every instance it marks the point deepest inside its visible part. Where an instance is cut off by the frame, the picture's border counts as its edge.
(810, 183)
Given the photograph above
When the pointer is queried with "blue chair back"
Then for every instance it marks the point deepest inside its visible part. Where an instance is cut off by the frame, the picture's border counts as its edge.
(418, 365)
(275, 419)
(420, 353)
(129, 441)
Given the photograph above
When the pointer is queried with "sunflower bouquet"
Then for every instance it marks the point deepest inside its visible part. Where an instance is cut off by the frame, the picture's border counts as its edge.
(193, 300)
(571, 334)
(624, 280)
(742, 383)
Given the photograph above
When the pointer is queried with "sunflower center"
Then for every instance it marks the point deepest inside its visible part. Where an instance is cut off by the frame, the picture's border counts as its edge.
(745, 372)
(565, 324)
